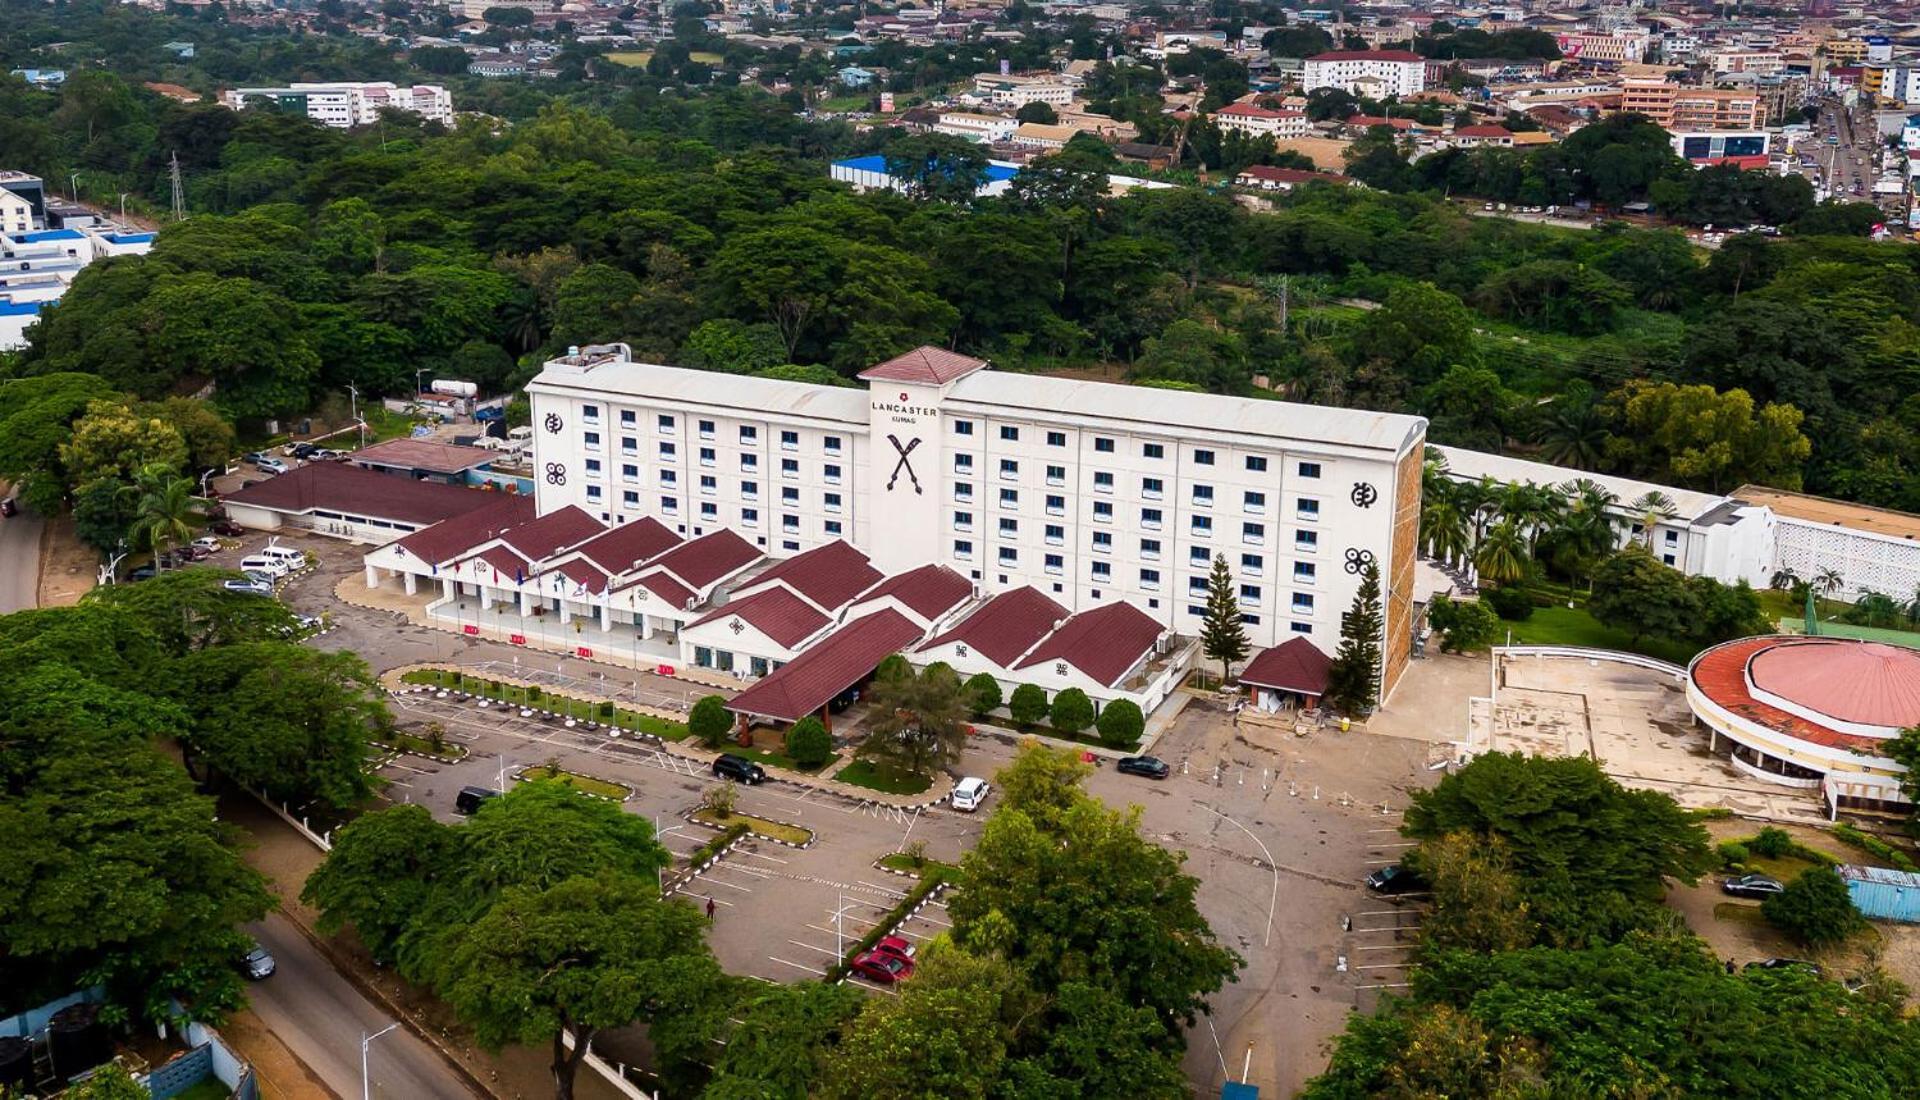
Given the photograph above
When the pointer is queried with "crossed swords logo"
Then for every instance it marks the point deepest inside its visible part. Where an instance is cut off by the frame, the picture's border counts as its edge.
(903, 451)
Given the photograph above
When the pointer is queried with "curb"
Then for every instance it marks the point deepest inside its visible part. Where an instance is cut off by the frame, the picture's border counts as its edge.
(623, 800)
(692, 874)
(687, 816)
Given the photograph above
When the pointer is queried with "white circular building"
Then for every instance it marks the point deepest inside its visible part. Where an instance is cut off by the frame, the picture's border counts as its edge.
(1811, 712)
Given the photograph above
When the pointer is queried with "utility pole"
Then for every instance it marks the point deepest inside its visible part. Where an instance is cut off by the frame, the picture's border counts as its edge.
(366, 1091)
(353, 410)
(179, 189)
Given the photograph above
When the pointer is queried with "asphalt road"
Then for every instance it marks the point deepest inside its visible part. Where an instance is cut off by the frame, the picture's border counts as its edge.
(19, 560)
(321, 1018)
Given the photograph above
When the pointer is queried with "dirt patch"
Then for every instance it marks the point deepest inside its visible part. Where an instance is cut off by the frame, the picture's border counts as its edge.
(282, 1075)
(69, 568)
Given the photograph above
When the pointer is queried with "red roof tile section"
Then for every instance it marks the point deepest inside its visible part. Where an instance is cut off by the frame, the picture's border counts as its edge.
(339, 488)
(776, 612)
(830, 575)
(1105, 643)
(704, 560)
(668, 589)
(510, 566)
(628, 545)
(1006, 626)
(927, 366)
(831, 666)
(930, 591)
(1294, 665)
(1865, 683)
(421, 454)
(1367, 55)
(1721, 675)
(558, 530)
(452, 538)
(1482, 131)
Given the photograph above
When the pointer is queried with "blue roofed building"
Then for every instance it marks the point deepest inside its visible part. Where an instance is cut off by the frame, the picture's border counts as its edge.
(853, 76)
(870, 173)
(15, 319)
(42, 78)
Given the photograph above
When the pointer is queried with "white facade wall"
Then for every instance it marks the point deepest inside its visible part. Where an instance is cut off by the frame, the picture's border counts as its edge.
(16, 213)
(1003, 483)
(1866, 561)
(1287, 124)
(348, 104)
(986, 129)
(1400, 78)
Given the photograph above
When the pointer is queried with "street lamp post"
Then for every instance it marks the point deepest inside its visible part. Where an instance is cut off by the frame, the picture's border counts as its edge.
(73, 187)
(366, 1090)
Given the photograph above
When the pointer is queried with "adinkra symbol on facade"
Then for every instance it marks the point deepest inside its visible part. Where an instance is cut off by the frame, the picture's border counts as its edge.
(903, 450)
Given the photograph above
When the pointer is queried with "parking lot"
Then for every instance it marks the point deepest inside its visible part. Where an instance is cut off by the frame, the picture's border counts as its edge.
(1279, 834)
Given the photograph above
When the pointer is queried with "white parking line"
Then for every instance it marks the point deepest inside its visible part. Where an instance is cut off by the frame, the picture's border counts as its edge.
(883, 889)
(830, 953)
(725, 883)
(765, 856)
(932, 919)
(797, 966)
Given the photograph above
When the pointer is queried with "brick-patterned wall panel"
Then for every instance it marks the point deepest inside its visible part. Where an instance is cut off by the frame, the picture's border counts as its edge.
(1398, 647)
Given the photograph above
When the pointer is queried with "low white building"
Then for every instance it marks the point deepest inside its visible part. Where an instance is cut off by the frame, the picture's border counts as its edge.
(1392, 72)
(346, 104)
(985, 129)
(1257, 121)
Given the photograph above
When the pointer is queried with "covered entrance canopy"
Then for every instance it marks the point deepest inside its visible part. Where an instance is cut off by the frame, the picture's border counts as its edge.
(837, 662)
(1294, 668)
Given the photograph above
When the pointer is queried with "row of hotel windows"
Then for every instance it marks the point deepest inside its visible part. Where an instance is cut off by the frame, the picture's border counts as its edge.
(670, 452)
(749, 434)
(1055, 565)
(749, 517)
(1253, 534)
(1106, 445)
(1151, 488)
(709, 485)
(1151, 519)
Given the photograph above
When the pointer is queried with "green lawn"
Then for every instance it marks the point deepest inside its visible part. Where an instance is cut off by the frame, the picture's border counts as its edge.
(759, 826)
(585, 783)
(883, 777)
(1563, 625)
(843, 103)
(414, 743)
(583, 710)
(778, 759)
(633, 59)
(900, 861)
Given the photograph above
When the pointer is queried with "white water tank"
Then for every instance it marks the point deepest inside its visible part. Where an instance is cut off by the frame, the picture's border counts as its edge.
(454, 389)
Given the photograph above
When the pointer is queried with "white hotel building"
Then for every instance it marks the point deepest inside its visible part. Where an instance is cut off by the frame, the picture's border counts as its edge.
(1089, 492)
(1381, 72)
(347, 104)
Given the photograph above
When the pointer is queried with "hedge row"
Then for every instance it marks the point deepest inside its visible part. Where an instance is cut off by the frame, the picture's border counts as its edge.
(931, 879)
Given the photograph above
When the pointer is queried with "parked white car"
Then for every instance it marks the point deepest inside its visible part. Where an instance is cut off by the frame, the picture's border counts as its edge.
(259, 563)
(969, 793)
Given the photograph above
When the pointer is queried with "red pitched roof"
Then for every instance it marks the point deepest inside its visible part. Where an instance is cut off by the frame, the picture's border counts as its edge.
(830, 575)
(668, 589)
(927, 366)
(1367, 55)
(776, 612)
(829, 667)
(450, 539)
(585, 574)
(1370, 121)
(625, 547)
(1006, 626)
(704, 560)
(1294, 665)
(1289, 175)
(339, 488)
(930, 591)
(1105, 643)
(1250, 110)
(504, 562)
(1483, 131)
(558, 530)
(1867, 683)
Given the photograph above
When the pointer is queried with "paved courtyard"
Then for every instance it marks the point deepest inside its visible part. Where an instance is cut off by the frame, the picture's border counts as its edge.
(1636, 723)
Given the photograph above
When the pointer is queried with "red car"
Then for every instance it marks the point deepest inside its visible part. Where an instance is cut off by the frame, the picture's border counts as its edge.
(895, 946)
(876, 966)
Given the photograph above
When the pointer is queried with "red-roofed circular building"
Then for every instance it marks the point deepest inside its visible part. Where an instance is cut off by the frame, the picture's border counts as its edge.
(1811, 712)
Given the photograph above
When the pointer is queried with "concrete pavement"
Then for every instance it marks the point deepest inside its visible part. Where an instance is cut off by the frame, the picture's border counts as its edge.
(19, 560)
(322, 1018)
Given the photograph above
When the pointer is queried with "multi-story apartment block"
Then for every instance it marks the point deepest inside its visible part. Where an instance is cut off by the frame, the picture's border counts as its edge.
(1620, 49)
(1018, 91)
(1682, 107)
(986, 129)
(1390, 72)
(1090, 493)
(1257, 121)
(343, 105)
(1762, 62)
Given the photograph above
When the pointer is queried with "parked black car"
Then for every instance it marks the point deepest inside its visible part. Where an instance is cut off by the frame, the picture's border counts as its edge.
(470, 799)
(1395, 880)
(729, 766)
(1150, 766)
(1752, 886)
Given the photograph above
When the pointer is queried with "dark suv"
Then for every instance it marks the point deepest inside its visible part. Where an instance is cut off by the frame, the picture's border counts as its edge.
(729, 766)
(1395, 880)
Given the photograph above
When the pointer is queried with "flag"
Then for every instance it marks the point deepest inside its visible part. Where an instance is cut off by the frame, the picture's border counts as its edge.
(519, 576)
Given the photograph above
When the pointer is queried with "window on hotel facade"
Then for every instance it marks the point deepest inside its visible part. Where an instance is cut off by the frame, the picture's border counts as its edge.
(963, 427)
(1307, 509)
(668, 477)
(1309, 469)
(593, 492)
(1103, 445)
(1055, 563)
(593, 465)
(1009, 498)
(962, 464)
(750, 490)
(1056, 534)
(629, 472)
(1103, 483)
(1102, 512)
(1300, 628)
(1197, 586)
(1009, 468)
(1150, 579)
(832, 473)
(670, 505)
(749, 434)
(1149, 517)
(1307, 541)
(1009, 556)
(1150, 549)
(709, 510)
(749, 462)
(962, 548)
(629, 445)
(590, 413)
(1009, 433)
(790, 524)
(707, 457)
(1252, 563)
(832, 501)
(1153, 450)
(1102, 570)
(963, 521)
(1056, 475)
(627, 418)
(831, 443)
(1303, 601)
(630, 500)
(1203, 458)
(750, 517)
(668, 451)
(962, 491)
(1203, 496)
(1009, 525)
(592, 440)
(1253, 534)
(831, 527)
(1250, 594)
(706, 429)
(1305, 572)
(666, 423)
(1103, 542)
(789, 495)
(789, 467)
(1150, 488)
(1256, 464)
(1056, 439)
(789, 441)
(1255, 502)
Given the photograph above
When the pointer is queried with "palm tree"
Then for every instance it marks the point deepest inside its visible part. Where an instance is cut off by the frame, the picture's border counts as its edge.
(1786, 580)
(1652, 508)
(1875, 609)
(1574, 433)
(1585, 533)
(1912, 608)
(1828, 582)
(1443, 529)
(1501, 557)
(163, 506)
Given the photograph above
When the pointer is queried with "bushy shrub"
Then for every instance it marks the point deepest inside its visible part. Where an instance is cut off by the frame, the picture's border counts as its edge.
(1072, 711)
(1733, 853)
(983, 694)
(1508, 602)
(809, 743)
(1464, 624)
(1028, 705)
(710, 721)
(1121, 724)
(1771, 842)
(1816, 909)
(893, 667)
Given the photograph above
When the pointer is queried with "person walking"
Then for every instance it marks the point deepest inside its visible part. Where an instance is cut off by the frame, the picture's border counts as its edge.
(709, 906)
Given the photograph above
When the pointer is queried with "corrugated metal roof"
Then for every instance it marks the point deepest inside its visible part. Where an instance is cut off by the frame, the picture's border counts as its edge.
(1885, 876)
(1473, 465)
